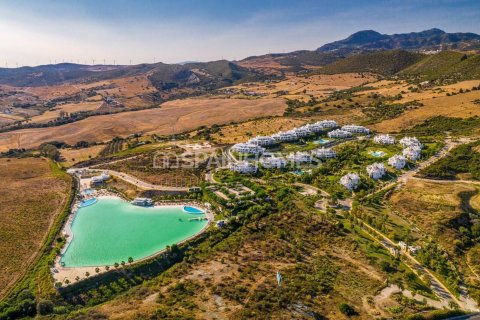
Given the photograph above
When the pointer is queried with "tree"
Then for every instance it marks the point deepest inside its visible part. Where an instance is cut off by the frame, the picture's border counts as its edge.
(347, 309)
(49, 151)
(130, 260)
(122, 263)
(44, 307)
(87, 274)
(97, 269)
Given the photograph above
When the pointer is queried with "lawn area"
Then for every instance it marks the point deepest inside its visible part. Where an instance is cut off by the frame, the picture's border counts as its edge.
(31, 196)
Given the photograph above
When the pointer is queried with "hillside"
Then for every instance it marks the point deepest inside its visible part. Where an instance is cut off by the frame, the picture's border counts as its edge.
(383, 62)
(433, 39)
(446, 65)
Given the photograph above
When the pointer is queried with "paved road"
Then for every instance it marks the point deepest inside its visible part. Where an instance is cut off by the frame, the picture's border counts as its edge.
(137, 182)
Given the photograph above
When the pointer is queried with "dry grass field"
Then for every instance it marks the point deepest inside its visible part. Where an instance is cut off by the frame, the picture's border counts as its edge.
(434, 208)
(178, 115)
(30, 198)
(72, 156)
(304, 87)
(69, 107)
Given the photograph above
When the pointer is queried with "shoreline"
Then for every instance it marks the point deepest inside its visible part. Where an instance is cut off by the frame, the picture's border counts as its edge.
(61, 273)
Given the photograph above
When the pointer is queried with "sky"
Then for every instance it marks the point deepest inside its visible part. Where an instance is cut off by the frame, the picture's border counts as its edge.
(34, 32)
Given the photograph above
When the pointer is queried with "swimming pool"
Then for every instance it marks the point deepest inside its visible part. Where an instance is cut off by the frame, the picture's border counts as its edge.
(112, 230)
(88, 202)
(321, 141)
(378, 154)
(192, 209)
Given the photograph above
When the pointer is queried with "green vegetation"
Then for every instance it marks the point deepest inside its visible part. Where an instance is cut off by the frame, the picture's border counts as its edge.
(462, 159)
(440, 124)
(448, 66)
(381, 62)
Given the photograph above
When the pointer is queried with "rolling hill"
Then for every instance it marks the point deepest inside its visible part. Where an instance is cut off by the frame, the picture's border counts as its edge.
(382, 62)
(433, 39)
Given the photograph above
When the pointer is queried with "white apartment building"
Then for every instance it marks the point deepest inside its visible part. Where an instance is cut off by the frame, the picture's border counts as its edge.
(384, 139)
(273, 162)
(263, 141)
(397, 161)
(352, 128)
(324, 153)
(248, 148)
(350, 181)
(300, 157)
(285, 136)
(243, 167)
(376, 170)
(413, 153)
(339, 134)
(410, 142)
(302, 132)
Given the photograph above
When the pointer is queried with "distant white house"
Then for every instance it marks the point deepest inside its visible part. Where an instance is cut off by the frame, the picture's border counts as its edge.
(300, 157)
(285, 136)
(324, 153)
(243, 167)
(376, 170)
(410, 142)
(314, 127)
(384, 139)
(339, 134)
(248, 148)
(412, 153)
(352, 128)
(263, 141)
(350, 181)
(397, 161)
(273, 162)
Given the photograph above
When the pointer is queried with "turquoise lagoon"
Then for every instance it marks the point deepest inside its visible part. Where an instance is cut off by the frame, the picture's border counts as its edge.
(112, 230)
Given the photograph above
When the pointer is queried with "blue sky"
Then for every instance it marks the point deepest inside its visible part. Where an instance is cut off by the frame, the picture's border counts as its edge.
(40, 32)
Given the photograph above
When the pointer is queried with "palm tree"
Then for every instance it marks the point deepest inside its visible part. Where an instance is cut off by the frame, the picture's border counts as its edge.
(130, 260)
(97, 269)
(87, 274)
(122, 263)
(115, 265)
(107, 268)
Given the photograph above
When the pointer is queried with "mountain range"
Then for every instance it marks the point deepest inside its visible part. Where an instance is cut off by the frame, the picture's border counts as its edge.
(357, 53)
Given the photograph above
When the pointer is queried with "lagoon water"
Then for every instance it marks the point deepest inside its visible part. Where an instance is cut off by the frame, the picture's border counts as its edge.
(113, 230)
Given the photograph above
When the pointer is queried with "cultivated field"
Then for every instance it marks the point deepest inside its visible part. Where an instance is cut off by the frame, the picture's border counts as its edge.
(174, 116)
(69, 107)
(72, 156)
(30, 198)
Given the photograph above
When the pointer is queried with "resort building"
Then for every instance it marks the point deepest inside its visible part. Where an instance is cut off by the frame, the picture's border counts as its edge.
(324, 153)
(273, 162)
(248, 148)
(98, 180)
(350, 181)
(397, 161)
(285, 136)
(384, 139)
(243, 167)
(142, 202)
(302, 132)
(262, 141)
(412, 153)
(376, 170)
(339, 134)
(299, 157)
(410, 142)
(352, 128)
(314, 127)
(328, 124)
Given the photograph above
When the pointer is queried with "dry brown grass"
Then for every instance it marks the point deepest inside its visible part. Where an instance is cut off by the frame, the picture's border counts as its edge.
(30, 198)
(433, 208)
(181, 115)
(72, 156)
(69, 107)
(303, 87)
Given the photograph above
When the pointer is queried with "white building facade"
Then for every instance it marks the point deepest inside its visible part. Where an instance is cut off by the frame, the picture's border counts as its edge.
(352, 128)
(397, 161)
(340, 134)
(324, 153)
(384, 139)
(376, 170)
(248, 148)
(243, 167)
(350, 181)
